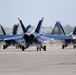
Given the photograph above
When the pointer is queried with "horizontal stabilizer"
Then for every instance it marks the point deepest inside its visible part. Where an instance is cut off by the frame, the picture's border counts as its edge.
(27, 28)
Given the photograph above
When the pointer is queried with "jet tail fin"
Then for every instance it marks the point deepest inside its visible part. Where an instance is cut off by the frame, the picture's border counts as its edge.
(15, 28)
(74, 32)
(3, 30)
(27, 28)
(37, 30)
(22, 25)
(58, 29)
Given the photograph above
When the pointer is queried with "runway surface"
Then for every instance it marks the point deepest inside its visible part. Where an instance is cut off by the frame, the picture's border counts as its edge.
(54, 61)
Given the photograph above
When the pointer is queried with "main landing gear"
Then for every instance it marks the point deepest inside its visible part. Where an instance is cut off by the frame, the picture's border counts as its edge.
(4, 46)
(23, 47)
(42, 48)
(63, 46)
(39, 46)
(74, 46)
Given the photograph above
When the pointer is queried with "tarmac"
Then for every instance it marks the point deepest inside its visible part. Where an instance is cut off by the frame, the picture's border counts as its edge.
(53, 61)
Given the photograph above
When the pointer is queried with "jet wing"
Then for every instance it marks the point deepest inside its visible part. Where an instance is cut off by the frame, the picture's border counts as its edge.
(42, 37)
(14, 38)
(10, 37)
(38, 36)
(58, 37)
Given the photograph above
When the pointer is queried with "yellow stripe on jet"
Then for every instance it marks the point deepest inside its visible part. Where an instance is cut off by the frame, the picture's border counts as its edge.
(74, 37)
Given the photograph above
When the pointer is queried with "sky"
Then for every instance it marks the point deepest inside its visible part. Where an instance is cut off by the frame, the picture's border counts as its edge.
(31, 11)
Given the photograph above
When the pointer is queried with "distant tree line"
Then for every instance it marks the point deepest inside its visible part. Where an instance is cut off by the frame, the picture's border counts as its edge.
(68, 29)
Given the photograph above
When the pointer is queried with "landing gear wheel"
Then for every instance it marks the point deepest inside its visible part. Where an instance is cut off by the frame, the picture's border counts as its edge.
(44, 48)
(62, 46)
(4, 46)
(37, 48)
(74, 46)
(23, 48)
(20, 46)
